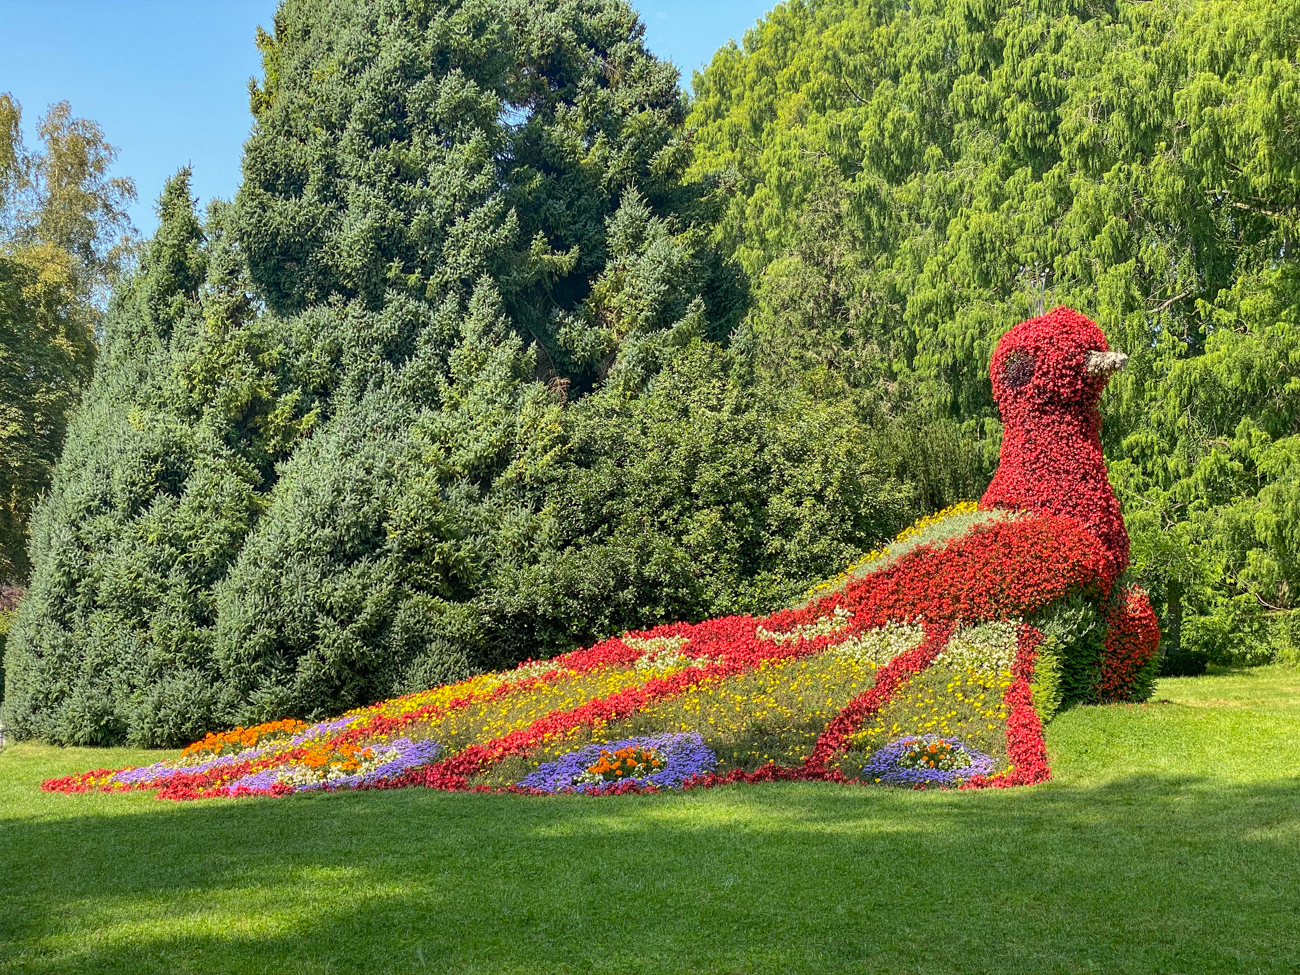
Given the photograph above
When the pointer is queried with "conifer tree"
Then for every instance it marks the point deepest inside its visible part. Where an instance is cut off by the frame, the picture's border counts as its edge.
(486, 413)
(163, 475)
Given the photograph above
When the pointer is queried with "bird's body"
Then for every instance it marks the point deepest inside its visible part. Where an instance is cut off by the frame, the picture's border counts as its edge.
(933, 663)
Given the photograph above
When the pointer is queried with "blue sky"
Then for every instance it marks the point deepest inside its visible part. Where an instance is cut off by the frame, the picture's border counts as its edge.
(167, 79)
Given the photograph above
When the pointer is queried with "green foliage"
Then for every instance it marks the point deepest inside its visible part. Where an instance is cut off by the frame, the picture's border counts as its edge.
(916, 178)
(707, 496)
(408, 150)
(1069, 658)
(9, 600)
(1187, 663)
(165, 469)
(469, 216)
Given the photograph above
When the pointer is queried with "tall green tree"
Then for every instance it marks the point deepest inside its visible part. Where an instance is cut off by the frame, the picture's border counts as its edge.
(166, 468)
(486, 411)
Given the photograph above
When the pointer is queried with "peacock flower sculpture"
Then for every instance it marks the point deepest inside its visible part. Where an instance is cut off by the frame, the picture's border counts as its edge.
(933, 662)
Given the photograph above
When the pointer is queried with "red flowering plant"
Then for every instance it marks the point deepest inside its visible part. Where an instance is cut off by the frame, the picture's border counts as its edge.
(951, 651)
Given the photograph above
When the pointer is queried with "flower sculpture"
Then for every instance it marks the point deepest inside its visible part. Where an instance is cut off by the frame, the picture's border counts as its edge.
(932, 662)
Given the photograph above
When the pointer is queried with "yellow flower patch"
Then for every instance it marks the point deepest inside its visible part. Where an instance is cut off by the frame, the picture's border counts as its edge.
(485, 720)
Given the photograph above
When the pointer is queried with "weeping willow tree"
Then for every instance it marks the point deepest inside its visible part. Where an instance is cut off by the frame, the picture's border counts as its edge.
(914, 178)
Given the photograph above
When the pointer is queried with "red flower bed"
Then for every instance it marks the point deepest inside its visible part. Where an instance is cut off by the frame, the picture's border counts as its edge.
(998, 571)
(836, 734)
(1132, 639)
(732, 638)
(833, 740)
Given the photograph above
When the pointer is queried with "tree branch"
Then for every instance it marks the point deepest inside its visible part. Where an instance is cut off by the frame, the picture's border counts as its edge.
(1165, 304)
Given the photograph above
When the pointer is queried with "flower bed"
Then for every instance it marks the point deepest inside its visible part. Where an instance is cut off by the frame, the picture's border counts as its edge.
(925, 761)
(652, 762)
(812, 693)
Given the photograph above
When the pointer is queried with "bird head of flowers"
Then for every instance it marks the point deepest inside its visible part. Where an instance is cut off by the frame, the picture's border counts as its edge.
(1060, 359)
(1048, 375)
(918, 668)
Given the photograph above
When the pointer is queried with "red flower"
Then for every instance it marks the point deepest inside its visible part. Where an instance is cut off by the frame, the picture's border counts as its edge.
(1132, 638)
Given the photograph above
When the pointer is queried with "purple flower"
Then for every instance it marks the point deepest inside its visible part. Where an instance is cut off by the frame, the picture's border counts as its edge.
(321, 730)
(887, 765)
(683, 754)
(397, 755)
(160, 772)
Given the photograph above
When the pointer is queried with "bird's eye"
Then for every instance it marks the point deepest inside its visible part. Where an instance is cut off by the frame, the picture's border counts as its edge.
(1017, 370)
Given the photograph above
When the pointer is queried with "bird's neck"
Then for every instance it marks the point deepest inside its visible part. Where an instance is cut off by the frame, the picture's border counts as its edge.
(1051, 462)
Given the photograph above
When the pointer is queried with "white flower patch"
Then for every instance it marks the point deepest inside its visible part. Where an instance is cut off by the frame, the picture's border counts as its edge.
(881, 645)
(989, 648)
(664, 653)
(836, 621)
(538, 668)
(657, 644)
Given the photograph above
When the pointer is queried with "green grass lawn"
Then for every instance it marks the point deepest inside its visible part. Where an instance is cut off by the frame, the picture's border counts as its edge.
(1169, 841)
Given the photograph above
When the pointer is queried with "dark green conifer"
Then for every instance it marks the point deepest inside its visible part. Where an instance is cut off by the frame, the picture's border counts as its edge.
(164, 473)
(486, 414)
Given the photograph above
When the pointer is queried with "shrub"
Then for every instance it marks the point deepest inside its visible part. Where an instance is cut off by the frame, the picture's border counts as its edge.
(1187, 663)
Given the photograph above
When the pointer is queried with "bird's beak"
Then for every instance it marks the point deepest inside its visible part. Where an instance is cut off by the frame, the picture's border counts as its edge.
(1104, 363)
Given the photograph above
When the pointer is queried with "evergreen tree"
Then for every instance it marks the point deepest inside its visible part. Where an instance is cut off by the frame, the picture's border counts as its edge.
(164, 473)
(560, 255)
(433, 217)
(487, 413)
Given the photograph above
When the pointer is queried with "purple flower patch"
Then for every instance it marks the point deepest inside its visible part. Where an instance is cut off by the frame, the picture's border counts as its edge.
(921, 760)
(394, 758)
(681, 756)
(160, 772)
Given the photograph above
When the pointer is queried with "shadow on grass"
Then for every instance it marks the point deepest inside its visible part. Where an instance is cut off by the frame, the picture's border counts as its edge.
(1150, 874)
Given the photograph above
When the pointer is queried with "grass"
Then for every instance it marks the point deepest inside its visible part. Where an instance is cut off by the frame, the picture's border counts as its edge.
(1169, 841)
